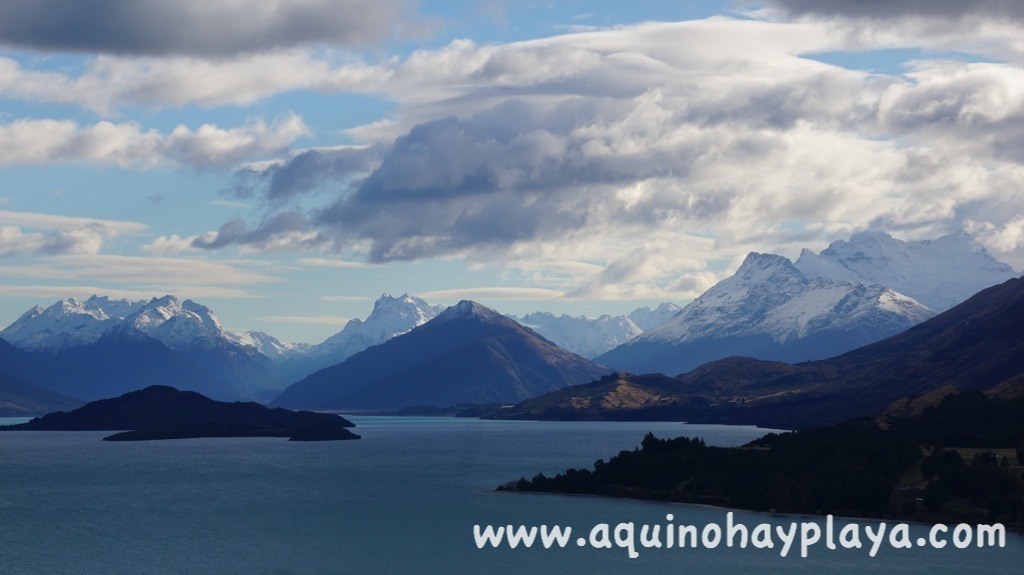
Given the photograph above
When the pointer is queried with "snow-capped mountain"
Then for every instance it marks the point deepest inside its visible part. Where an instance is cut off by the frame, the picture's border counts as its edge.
(177, 324)
(769, 309)
(582, 335)
(188, 328)
(71, 322)
(67, 323)
(938, 273)
(391, 316)
(278, 351)
(646, 318)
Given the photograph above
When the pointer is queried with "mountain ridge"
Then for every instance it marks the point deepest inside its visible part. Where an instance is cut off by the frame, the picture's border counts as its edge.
(467, 354)
(770, 310)
(975, 345)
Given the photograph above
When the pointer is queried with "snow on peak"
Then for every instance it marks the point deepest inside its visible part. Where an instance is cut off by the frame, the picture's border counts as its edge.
(938, 273)
(66, 323)
(582, 335)
(277, 350)
(391, 316)
(72, 322)
(646, 319)
(768, 295)
(468, 309)
(758, 268)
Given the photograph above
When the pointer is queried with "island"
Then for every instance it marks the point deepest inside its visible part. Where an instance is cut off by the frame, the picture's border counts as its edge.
(163, 412)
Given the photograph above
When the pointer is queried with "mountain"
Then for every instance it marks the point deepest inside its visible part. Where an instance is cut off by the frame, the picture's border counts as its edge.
(590, 337)
(191, 333)
(769, 310)
(67, 323)
(125, 359)
(275, 349)
(646, 318)
(195, 332)
(977, 345)
(938, 273)
(22, 399)
(161, 412)
(391, 316)
(467, 354)
(619, 395)
(582, 335)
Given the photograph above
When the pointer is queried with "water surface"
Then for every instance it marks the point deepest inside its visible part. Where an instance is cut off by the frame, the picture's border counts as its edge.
(403, 499)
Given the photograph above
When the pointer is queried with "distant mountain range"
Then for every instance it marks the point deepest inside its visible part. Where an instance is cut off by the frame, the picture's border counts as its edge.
(851, 294)
(590, 337)
(819, 307)
(978, 344)
(101, 347)
(467, 354)
(938, 273)
(391, 316)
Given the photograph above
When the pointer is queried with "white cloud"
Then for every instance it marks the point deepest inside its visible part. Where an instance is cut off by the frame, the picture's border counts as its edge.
(329, 263)
(127, 145)
(615, 147)
(171, 245)
(59, 234)
(489, 293)
(84, 292)
(158, 274)
(109, 83)
(55, 222)
(306, 319)
(346, 298)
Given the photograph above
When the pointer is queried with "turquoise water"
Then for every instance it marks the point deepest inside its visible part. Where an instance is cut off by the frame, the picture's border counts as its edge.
(402, 500)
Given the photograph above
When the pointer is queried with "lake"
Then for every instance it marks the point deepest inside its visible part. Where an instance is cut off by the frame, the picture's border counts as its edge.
(404, 499)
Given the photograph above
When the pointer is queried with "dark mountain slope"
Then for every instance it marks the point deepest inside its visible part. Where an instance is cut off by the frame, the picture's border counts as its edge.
(125, 360)
(467, 354)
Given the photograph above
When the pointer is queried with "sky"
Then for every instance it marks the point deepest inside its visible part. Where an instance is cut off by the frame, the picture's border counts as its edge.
(285, 162)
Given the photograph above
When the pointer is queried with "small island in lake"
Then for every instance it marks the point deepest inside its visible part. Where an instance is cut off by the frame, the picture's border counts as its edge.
(162, 412)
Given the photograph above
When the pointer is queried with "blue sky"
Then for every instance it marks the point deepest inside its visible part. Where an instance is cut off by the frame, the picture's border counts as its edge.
(285, 162)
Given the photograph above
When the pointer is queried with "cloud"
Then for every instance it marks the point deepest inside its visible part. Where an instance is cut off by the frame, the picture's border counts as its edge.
(108, 83)
(57, 235)
(14, 241)
(489, 293)
(618, 148)
(171, 245)
(937, 9)
(329, 263)
(283, 231)
(987, 27)
(306, 319)
(127, 145)
(195, 27)
(84, 292)
(345, 298)
(55, 222)
(306, 172)
(157, 273)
